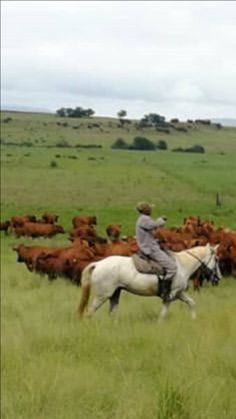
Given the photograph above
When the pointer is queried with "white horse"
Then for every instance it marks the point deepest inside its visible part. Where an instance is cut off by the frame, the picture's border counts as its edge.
(115, 273)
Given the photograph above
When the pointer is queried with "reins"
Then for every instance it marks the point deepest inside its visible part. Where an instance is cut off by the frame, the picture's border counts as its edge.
(199, 260)
(202, 264)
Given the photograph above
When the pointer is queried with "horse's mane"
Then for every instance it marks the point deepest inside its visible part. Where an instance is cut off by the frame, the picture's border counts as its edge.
(196, 250)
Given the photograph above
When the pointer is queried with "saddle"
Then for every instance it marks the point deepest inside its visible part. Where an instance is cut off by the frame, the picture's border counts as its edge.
(145, 265)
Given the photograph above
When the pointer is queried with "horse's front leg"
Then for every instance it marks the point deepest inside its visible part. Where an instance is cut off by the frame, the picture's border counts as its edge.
(164, 311)
(189, 301)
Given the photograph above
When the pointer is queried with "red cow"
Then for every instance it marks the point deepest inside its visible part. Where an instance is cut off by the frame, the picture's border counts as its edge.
(113, 231)
(69, 262)
(30, 254)
(38, 230)
(4, 226)
(84, 220)
(49, 218)
(121, 248)
(83, 232)
(20, 220)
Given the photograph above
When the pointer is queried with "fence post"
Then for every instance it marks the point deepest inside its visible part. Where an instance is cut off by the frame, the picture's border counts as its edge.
(218, 201)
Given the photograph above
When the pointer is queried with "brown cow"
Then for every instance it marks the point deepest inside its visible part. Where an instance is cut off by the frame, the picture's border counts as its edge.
(30, 254)
(86, 233)
(120, 248)
(4, 226)
(83, 231)
(190, 224)
(50, 218)
(84, 220)
(68, 262)
(38, 230)
(20, 220)
(113, 231)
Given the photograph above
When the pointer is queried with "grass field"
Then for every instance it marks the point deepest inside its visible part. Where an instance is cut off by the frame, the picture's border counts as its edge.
(53, 365)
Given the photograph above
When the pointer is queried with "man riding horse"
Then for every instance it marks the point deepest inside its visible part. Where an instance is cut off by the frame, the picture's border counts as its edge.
(150, 248)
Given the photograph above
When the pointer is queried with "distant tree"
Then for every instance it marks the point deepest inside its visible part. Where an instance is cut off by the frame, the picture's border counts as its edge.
(77, 112)
(53, 164)
(142, 143)
(197, 148)
(121, 115)
(154, 119)
(89, 112)
(162, 145)
(119, 144)
(61, 112)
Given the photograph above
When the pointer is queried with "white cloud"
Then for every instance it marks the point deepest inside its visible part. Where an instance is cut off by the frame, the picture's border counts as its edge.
(175, 57)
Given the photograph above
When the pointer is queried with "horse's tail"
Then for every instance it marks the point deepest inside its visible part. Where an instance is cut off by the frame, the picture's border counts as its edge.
(86, 287)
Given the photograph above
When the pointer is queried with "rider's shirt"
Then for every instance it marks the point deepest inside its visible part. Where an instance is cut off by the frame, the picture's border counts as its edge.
(144, 228)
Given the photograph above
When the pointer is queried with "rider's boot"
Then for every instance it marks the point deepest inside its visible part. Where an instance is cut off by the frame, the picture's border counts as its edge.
(165, 291)
(160, 286)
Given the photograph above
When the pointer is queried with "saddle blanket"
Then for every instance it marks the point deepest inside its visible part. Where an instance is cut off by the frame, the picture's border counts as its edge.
(146, 266)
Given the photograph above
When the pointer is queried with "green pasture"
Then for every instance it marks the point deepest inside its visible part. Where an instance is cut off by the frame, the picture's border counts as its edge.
(109, 183)
(55, 366)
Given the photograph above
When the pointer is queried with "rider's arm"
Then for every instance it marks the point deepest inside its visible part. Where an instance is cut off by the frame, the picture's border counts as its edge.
(149, 224)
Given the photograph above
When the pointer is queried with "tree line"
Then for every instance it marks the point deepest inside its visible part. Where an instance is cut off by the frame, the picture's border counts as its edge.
(77, 112)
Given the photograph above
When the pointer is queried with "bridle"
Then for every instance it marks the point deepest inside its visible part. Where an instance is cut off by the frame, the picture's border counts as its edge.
(210, 273)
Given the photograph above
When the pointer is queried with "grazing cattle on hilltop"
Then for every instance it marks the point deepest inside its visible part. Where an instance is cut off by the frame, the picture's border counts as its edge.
(84, 220)
(50, 218)
(113, 232)
(4, 226)
(38, 230)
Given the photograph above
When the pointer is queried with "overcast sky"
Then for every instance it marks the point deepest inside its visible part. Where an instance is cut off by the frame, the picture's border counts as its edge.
(174, 58)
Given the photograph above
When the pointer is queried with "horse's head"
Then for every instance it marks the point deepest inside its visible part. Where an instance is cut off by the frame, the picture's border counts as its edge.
(211, 265)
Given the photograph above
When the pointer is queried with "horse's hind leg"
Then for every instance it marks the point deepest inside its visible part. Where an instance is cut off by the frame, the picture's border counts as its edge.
(114, 301)
(189, 301)
(96, 303)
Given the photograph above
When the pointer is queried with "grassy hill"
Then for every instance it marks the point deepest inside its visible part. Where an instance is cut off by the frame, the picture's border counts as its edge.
(39, 175)
(49, 130)
(54, 366)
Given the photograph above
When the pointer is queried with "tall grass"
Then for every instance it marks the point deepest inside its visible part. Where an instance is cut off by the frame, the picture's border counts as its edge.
(55, 366)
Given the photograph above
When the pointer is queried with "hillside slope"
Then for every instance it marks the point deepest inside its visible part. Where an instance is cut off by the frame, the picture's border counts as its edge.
(49, 130)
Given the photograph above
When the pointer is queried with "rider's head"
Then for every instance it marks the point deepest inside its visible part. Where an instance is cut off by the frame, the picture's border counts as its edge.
(145, 208)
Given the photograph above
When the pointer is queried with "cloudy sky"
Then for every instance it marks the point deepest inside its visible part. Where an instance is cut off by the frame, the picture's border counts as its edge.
(174, 58)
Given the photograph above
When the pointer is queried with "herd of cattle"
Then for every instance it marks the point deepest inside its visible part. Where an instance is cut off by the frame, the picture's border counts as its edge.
(86, 245)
